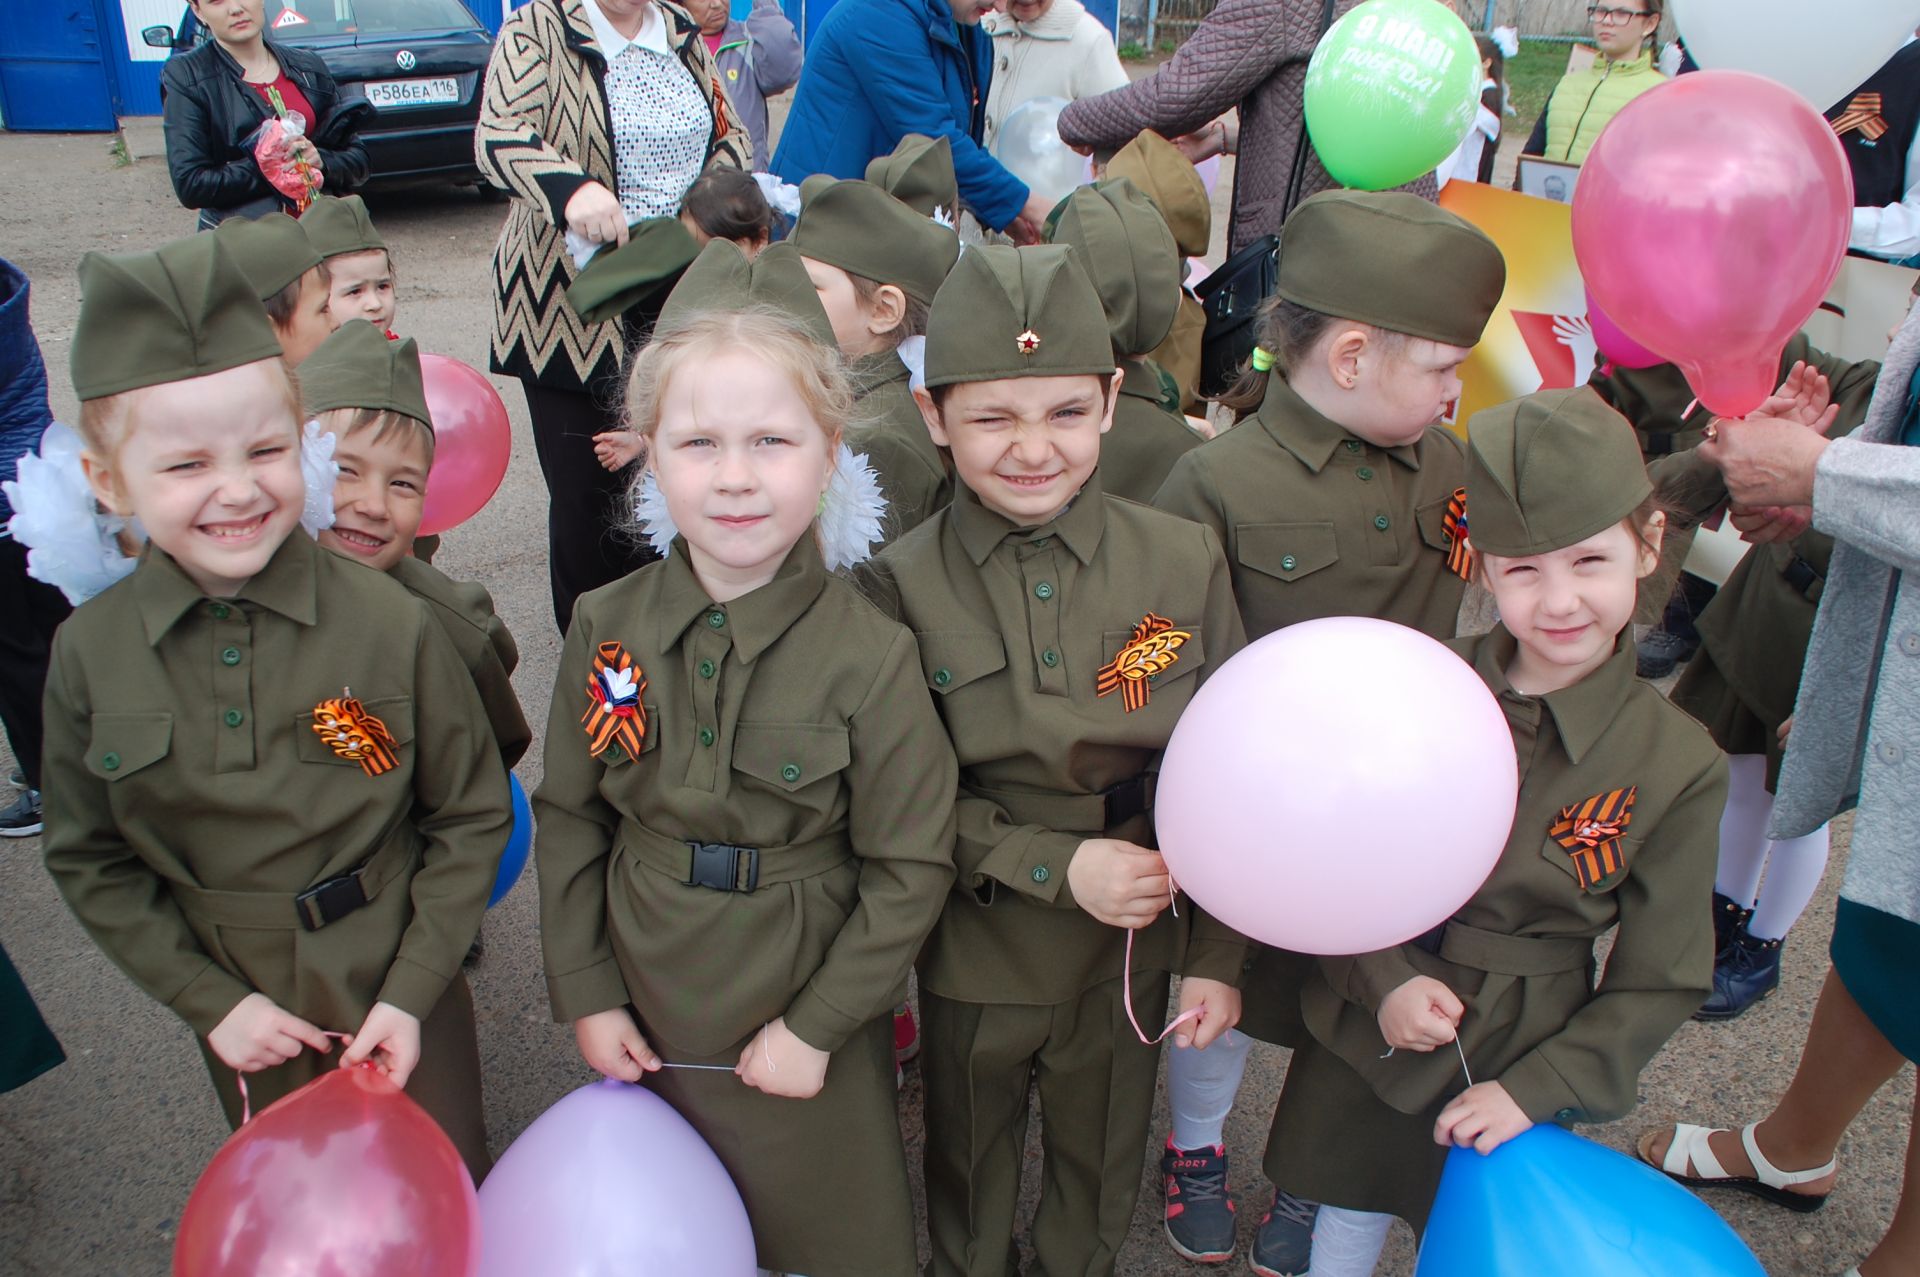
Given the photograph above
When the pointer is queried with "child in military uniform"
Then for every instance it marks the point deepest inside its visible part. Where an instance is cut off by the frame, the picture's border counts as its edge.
(1128, 252)
(272, 796)
(1169, 179)
(1062, 631)
(1620, 798)
(1340, 496)
(359, 267)
(284, 267)
(746, 825)
(877, 265)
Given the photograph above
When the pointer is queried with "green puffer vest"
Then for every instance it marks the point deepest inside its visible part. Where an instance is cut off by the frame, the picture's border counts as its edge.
(1584, 101)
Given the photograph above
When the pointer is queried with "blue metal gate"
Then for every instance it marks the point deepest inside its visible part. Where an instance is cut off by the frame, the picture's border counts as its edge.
(53, 67)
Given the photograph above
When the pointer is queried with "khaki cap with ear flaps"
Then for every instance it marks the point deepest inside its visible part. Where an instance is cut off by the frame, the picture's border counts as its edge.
(271, 251)
(1548, 471)
(340, 224)
(359, 367)
(181, 311)
(1129, 253)
(919, 173)
(721, 278)
(1017, 312)
(867, 232)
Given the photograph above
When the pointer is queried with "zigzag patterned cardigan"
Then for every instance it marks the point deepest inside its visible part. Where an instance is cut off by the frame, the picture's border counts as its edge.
(544, 132)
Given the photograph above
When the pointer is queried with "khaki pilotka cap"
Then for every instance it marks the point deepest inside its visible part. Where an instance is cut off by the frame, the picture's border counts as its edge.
(1129, 254)
(339, 224)
(271, 251)
(1548, 471)
(1392, 260)
(1017, 312)
(865, 231)
(721, 278)
(1169, 179)
(919, 173)
(618, 278)
(360, 367)
(183, 310)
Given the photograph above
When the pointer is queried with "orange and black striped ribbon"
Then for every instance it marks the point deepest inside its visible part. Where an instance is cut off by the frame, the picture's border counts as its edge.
(614, 712)
(1154, 647)
(1862, 113)
(1453, 527)
(1590, 833)
(351, 732)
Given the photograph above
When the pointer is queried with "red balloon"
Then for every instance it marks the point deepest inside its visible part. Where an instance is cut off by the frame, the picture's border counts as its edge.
(472, 442)
(346, 1176)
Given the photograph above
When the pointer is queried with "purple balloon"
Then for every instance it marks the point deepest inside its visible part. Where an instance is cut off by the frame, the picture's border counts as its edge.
(1614, 344)
(611, 1180)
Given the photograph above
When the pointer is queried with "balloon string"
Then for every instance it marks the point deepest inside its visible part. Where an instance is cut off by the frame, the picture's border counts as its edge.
(1688, 410)
(1463, 1059)
(1126, 982)
(705, 1068)
(246, 1104)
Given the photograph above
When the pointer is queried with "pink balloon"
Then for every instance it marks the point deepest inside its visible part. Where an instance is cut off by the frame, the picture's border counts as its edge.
(472, 442)
(1619, 348)
(1329, 814)
(1709, 222)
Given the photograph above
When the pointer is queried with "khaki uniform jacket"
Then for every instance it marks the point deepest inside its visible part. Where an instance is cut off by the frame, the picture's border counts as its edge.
(1319, 523)
(188, 796)
(1014, 626)
(1520, 953)
(792, 720)
(465, 612)
(893, 437)
(1139, 452)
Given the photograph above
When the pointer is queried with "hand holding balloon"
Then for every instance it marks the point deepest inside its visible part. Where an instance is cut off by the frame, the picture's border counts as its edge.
(1219, 1007)
(779, 1063)
(1122, 884)
(1767, 461)
(611, 1043)
(257, 1034)
(1806, 396)
(1420, 1015)
(389, 1038)
(1482, 1117)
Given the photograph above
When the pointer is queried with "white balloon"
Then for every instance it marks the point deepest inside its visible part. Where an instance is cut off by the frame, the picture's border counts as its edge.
(1822, 59)
(1029, 144)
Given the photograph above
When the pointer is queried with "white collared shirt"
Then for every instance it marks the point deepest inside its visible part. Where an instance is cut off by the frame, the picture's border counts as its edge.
(659, 115)
(652, 34)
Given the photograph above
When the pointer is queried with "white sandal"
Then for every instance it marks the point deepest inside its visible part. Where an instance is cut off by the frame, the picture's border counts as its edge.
(1689, 1147)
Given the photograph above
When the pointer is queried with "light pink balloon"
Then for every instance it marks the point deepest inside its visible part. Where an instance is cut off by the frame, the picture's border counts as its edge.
(1709, 222)
(1339, 786)
(1615, 345)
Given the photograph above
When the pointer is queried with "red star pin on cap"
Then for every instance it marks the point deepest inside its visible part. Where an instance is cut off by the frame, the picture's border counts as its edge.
(1028, 342)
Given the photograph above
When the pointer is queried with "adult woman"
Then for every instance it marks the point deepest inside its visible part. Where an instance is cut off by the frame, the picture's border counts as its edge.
(1855, 731)
(758, 56)
(1046, 49)
(597, 113)
(217, 97)
(1584, 101)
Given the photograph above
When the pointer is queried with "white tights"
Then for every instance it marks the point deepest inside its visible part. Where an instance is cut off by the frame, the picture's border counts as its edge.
(1347, 1243)
(1201, 1086)
(1792, 868)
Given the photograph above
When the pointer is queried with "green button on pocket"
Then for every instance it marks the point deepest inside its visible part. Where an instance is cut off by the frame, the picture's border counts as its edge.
(1288, 563)
(706, 736)
(1049, 658)
(1043, 591)
(942, 676)
(1382, 522)
(1040, 873)
(716, 619)
(706, 669)
(790, 773)
(230, 657)
(234, 718)
(110, 761)
(1365, 472)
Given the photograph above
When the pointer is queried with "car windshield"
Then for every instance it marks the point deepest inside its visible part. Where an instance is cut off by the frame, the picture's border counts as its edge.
(299, 18)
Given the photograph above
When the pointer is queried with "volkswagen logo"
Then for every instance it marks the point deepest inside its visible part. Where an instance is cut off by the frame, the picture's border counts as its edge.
(406, 60)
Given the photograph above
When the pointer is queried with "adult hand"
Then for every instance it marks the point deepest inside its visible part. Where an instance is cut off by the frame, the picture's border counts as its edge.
(1768, 461)
(1769, 524)
(1121, 883)
(302, 148)
(1214, 138)
(594, 213)
(1026, 228)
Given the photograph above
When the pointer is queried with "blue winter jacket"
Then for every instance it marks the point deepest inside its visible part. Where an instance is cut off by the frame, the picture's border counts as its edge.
(24, 415)
(878, 70)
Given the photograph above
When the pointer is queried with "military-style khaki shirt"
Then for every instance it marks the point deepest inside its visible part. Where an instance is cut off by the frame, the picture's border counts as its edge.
(893, 437)
(188, 794)
(1317, 522)
(1015, 628)
(1520, 953)
(792, 721)
(465, 612)
(1138, 453)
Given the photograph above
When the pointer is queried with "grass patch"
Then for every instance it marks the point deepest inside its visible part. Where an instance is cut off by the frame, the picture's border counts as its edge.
(121, 156)
(1532, 77)
(1132, 51)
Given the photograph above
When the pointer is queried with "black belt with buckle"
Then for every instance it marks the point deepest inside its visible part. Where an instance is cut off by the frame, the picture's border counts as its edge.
(1801, 575)
(327, 902)
(1129, 798)
(721, 866)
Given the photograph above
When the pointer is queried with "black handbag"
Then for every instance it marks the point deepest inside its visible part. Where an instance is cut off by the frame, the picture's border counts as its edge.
(1232, 296)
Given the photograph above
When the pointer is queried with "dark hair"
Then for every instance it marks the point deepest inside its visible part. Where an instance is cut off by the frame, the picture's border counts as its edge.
(1496, 64)
(1289, 331)
(913, 319)
(280, 306)
(726, 203)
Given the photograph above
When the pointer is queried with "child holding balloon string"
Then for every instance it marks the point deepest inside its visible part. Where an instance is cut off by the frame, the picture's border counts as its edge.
(272, 796)
(1493, 1021)
(746, 823)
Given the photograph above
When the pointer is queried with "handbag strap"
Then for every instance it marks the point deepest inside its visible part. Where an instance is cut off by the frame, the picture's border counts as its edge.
(1300, 148)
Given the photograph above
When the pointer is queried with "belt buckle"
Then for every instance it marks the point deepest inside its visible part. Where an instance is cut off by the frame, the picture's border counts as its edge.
(1126, 800)
(716, 866)
(327, 902)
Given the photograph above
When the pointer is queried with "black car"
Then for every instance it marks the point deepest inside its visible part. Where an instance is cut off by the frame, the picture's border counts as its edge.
(419, 62)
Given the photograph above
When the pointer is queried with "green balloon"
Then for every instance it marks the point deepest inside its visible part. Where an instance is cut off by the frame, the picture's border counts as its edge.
(1392, 89)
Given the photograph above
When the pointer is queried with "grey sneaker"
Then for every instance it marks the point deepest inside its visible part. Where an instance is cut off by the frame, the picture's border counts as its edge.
(1284, 1245)
(22, 820)
(1199, 1218)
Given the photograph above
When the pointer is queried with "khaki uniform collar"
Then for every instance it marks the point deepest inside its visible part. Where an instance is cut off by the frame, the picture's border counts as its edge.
(755, 619)
(1297, 426)
(981, 530)
(289, 585)
(1581, 713)
(870, 372)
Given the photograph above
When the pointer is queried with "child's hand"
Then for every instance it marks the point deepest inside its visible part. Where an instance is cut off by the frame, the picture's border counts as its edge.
(257, 1035)
(1805, 397)
(617, 449)
(1482, 1117)
(1219, 1011)
(1122, 884)
(1786, 729)
(390, 1038)
(611, 1043)
(1420, 1015)
(779, 1063)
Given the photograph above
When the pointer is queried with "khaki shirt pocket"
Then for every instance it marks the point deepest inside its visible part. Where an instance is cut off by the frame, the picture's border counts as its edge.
(1288, 551)
(953, 659)
(1432, 521)
(394, 712)
(123, 744)
(790, 756)
(1189, 657)
(1560, 858)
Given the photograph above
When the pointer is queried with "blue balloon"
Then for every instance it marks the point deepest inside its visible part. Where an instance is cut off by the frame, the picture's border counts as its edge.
(514, 859)
(1551, 1202)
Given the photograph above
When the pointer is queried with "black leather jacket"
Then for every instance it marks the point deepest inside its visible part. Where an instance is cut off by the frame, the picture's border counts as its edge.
(210, 111)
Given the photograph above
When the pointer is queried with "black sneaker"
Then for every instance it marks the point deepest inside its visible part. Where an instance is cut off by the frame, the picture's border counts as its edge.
(1284, 1245)
(1200, 1220)
(22, 820)
(1661, 653)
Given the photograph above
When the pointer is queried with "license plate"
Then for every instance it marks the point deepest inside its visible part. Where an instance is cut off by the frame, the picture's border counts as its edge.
(392, 93)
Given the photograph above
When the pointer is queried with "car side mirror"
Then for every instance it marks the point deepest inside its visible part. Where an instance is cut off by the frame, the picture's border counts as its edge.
(157, 37)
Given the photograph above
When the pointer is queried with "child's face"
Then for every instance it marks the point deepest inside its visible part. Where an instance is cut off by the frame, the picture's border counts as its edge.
(1395, 390)
(362, 288)
(309, 324)
(1567, 608)
(742, 464)
(1024, 445)
(379, 497)
(851, 318)
(211, 467)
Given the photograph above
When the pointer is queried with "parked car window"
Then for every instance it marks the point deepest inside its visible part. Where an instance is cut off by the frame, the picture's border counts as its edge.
(349, 17)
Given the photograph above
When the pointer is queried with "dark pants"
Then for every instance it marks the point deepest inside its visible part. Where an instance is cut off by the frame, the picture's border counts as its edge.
(29, 614)
(591, 537)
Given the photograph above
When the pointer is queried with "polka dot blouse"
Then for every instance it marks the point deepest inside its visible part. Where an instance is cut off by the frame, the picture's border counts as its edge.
(661, 124)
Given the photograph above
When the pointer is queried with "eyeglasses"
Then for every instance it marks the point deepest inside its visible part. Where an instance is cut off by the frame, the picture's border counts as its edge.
(1613, 17)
